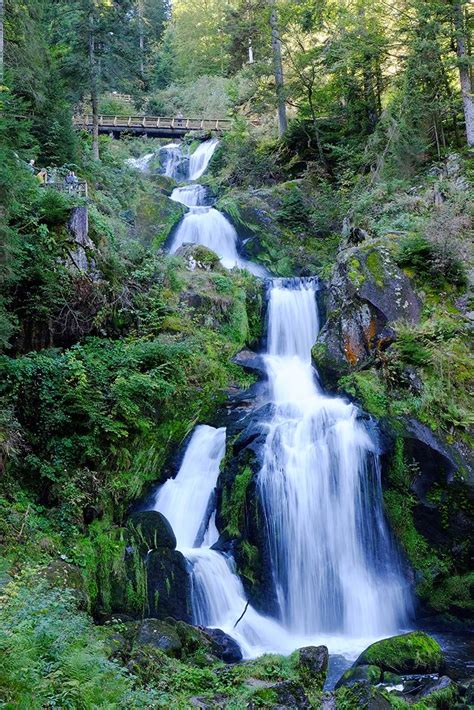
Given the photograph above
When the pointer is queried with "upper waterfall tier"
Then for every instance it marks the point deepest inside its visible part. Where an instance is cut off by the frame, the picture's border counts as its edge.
(199, 160)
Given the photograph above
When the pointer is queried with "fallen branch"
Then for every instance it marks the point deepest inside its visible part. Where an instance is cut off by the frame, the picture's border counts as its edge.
(242, 614)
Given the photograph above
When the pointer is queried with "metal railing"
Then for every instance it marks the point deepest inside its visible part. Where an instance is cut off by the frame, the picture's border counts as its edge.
(77, 189)
(166, 122)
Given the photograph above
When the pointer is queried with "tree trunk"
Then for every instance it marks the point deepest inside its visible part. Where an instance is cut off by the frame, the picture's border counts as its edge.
(1, 42)
(464, 71)
(93, 89)
(278, 70)
(141, 40)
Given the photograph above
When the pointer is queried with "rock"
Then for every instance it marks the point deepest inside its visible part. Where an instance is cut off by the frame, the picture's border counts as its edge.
(250, 361)
(223, 646)
(367, 293)
(414, 652)
(63, 575)
(160, 635)
(284, 695)
(357, 674)
(312, 666)
(168, 585)
(81, 255)
(198, 256)
(440, 693)
(156, 218)
(363, 696)
(151, 531)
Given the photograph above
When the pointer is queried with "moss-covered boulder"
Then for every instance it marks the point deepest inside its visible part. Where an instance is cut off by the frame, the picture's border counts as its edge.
(62, 575)
(361, 696)
(168, 585)
(155, 217)
(160, 635)
(312, 666)
(414, 652)
(151, 531)
(358, 674)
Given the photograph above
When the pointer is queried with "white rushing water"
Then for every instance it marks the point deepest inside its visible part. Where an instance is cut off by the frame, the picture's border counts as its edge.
(335, 569)
(218, 597)
(190, 195)
(210, 228)
(199, 160)
(140, 163)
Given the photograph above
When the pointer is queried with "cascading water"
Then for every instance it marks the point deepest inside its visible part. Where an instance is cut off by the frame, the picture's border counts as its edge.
(336, 573)
(174, 163)
(199, 160)
(190, 195)
(203, 224)
(334, 567)
(218, 597)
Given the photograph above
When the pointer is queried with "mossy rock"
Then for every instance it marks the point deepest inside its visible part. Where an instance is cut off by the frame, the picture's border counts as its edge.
(312, 666)
(62, 575)
(361, 696)
(160, 635)
(415, 652)
(151, 530)
(358, 674)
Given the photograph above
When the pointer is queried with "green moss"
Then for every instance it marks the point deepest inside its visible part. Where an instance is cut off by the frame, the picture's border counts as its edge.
(414, 652)
(233, 505)
(367, 387)
(354, 272)
(374, 264)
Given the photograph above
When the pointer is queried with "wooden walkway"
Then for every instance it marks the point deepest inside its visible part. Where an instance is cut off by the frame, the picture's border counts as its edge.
(152, 126)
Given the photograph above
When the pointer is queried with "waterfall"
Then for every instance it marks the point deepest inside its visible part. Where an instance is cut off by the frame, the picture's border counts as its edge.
(218, 597)
(190, 195)
(142, 163)
(334, 567)
(207, 226)
(199, 160)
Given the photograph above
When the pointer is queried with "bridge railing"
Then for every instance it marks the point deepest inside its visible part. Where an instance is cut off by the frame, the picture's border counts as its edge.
(77, 189)
(191, 124)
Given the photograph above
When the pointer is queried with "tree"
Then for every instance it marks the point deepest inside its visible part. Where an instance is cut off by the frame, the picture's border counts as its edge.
(278, 70)
(461, 24)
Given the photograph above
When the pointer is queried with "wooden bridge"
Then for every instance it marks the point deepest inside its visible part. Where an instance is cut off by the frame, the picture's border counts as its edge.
(152, 126)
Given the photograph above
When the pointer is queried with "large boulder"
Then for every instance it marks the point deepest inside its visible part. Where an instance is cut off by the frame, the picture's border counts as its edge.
(168, 584)
(414, 652)
(151, 531)
(360, 674)
(160, 635)
(362, 696)
(284, 694)
(366, 294)
(223, 646)
(312, 666)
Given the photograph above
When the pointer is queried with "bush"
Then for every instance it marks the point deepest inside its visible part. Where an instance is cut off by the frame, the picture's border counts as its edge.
(431, 261)
(52, 655)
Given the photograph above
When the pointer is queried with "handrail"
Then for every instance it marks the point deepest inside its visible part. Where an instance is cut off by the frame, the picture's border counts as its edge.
(117, 121)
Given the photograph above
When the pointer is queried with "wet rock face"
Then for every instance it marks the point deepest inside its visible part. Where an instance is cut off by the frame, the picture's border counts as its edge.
(366, 295)
(81, 255)
(164, 568)
(168, 584)
(312, 666)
